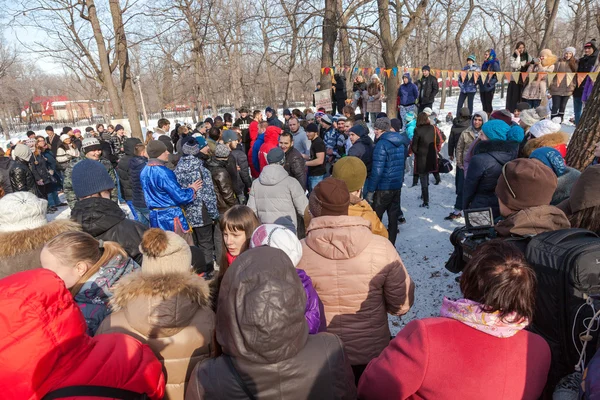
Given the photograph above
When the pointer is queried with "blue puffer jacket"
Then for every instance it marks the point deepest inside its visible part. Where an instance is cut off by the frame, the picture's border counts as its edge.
(188, 170)
(260, 139)
(491, 64)
(409, 93)
(136, 165)
(164, 196)
(389, 155)
(469, 85)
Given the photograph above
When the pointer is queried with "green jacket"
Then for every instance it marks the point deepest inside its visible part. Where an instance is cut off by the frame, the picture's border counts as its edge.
(68, 184)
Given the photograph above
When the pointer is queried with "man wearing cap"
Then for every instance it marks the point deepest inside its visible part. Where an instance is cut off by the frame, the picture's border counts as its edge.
(117, 140)
(316, 161)
(272, 118)
(362, 145)
(276, 197)
(301, 142)
(585, 64)
(241, 170)
(164, 195)
(92, 150)
(53, 140)
(428, 88)
(294, 164)
(243, 122)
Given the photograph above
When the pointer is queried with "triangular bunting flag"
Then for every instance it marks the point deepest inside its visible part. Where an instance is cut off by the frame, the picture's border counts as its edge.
(463, 75)
(405, 69)
(322, 71)
(570, 76)
(524, 76)
(541, 76)
(532, 76)
(326, 70)
(438, 73)
(476, 75)
(395, 70)
(581, 76)
(388, 72)
(356, 70)
(593, 76)
(332, 71)
(559, 77)
(551, 76)
(484, 75)
(455, 74)
(444, 74)
(470, 75)
(378, 70)
(507, 76)
(515, 76)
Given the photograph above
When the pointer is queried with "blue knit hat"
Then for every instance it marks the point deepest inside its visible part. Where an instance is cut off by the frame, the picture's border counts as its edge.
(551, 158)
(515, 134)
(495, 129)
(90, 177)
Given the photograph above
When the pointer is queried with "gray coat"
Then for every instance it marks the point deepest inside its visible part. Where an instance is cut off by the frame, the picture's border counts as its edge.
(277, 198)
(301, 142)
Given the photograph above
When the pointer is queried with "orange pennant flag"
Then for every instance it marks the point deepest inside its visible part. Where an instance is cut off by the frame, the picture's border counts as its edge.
(524, 76)
(559, 77)
(463, 75)
(593, 76)
(507, 76)
(570, 76)
(476, 75)
(438, 73)
(581, 76)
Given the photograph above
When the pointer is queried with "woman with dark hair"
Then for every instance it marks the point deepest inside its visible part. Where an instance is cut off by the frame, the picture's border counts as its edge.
(478, 347)
(519, 62)
(425, 145)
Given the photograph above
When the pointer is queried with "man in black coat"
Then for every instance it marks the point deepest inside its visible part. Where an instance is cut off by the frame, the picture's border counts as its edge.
(20, 174)
(459, 125)
(428, 88)
(362, 146)
(53, 140)
(294, 163)
(123, 169)
(272, 119)
(241, 172)
(243, 122)
(585, 64)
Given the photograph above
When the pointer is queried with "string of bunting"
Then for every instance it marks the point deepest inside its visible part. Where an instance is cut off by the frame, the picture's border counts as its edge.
(455, 74)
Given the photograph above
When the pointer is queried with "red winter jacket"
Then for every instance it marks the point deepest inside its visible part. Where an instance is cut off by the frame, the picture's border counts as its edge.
(44, 345)
(253, 129)
(271, 141)
(442, 358)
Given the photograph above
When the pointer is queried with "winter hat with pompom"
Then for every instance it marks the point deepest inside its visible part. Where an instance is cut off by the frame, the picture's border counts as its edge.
(165, 252)
(279, 237)
(496, 129)
(515, 134)
(22, 210)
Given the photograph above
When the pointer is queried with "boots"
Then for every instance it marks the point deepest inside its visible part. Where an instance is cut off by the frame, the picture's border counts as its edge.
(415, 180)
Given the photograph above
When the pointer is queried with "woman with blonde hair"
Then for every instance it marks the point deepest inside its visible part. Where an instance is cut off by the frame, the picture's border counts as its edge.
(535, 91)
(89, 268)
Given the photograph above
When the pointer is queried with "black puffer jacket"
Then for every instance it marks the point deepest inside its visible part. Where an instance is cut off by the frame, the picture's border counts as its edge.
(459, 125)
(5, 166)
(223, 185)
(40, 168)
(244, 181)
(428, 89)
(296, 166)
(103, 219)
(123, 168)
(136, 165)
(363, 149)
(21, 177)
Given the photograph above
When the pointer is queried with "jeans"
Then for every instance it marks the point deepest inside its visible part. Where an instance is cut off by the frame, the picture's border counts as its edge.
(486, 101)
(203, 239)
(373, 117)
(577, 108)
(313, 181)
(460, 181)
(424, 187)
(53, 200)
(119, 196)
(388, 201)
(533, 103)
(470, 97)
(559, 103)
(143, 215)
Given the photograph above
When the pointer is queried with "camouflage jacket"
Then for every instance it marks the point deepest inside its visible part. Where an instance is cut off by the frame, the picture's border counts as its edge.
(68, 184)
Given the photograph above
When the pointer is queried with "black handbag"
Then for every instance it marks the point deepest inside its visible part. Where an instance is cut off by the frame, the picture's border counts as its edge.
(444, 166)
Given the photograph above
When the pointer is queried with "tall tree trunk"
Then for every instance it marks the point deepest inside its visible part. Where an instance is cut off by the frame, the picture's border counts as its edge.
(125, 70)
(583, 142)
(329, 39)
(461, 29)
(551, 11)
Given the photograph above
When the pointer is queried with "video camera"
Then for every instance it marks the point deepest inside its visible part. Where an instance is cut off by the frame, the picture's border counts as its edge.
(478, 229)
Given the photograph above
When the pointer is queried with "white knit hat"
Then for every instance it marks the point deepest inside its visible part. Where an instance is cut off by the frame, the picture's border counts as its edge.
(544, 127)
(64, 137)
(21, 151)
(22, 210)
(281, 238)
(570, 50)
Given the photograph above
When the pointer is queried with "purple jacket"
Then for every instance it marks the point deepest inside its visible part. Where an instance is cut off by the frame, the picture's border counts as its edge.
(314, 313)
(587, 89)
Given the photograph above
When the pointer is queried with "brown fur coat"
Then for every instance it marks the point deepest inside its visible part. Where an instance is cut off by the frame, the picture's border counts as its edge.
(554, 140)
(20, 250)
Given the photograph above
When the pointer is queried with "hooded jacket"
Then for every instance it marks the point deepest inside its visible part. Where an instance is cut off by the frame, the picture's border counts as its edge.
(389, 154)
(203, 210)
(136, 165)
(533, 221)
(490, 65)
(242, 173)
(465, 142)
(5, 166)
(484, 169)
(222, 184)
(585, 64)
(21, 177)
(123, 168)
(105, 220)
(295, 165)
(170, 313)
(408, 93)
(263, 332)
(20, 250)
(271, 141)
(277, 198)
(363, 149)
(360, 278)
(45, 343)
(275, 121)
(459, 125)
(556, 140)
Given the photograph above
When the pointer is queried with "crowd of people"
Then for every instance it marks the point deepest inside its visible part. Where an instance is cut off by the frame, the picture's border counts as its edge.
(247, 258)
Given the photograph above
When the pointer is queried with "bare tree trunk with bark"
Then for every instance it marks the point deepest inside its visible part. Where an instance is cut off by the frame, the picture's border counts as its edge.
(329, 39)
(583, 142)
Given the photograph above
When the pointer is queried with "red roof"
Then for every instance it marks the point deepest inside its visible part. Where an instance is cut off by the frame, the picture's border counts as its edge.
(46, 103)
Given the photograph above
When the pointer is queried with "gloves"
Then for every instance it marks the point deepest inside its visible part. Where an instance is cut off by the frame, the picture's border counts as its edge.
(369, 198)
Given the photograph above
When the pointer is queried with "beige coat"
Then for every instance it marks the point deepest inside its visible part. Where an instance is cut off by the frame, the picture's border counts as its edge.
(359, 277)
(467, 137)
(536, 88)
(171, 314)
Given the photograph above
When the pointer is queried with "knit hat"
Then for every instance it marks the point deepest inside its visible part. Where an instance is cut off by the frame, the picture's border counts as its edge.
(22, 152)
(222, 151)
(155, 148)
(319, 114)
(523, 106)
(584, 193)
(230, 136)
(592, 44)
(64, 137)
(287, 112)
(529, 117)
(269, 109)
(425, 68)
(503, 115)
(551, 158)
(571, 50)
(22, 210)
(310, 117)
(165, 252)
(312, 127)
(279, 237)
(428, 110)
(358, 130)
(374, 76)
(496, 129)
(118, 127)
(90, 144)
(515, 134)
(542, 112)
(327, 119)
(88, 129)
(544, 127)
(191, 147)
(381, 115)
(472, 58)
(525, 183)
(409, 116)
(352, 171)
(329, 197)
(90, 177)
(383, 124)
(275, 156)
(396, 124)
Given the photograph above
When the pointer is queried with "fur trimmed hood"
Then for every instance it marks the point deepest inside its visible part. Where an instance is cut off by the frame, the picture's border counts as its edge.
(158, 302)
(554, 140)
(19, 242)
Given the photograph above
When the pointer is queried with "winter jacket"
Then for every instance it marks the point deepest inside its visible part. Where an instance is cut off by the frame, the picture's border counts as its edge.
(123, 168)
(565, 183)
(136, 165)
(275, 121)
(277, 198)
(428, 88)
(426, 144)
(253, 132)
(244, 125)
(222, 184)
(484, 170)
(389, 154)
(533, 221)
(203, 210)
(170, 313)
(465, 142)
(410, 129)
(165, 197)
(361, 208)
(363, 149)
(556, 140)
(340, 88)
(334, 140)
(39, 168)
(439, 362)
(54, 143)
(588, 86)
(301, 142)
(107, 152)
(459, 125)
(468, 84)
(359, 277)
(271, 351)
(94, 295)
(372, 97)
(408, 93)
(5, 166)
(244, 180)
(20, 250)
(105, 220)
(585, 64)
(490, 65)
(68, 183)
(117, 144)
(271, 140)
(21, 177)
(65, 154)
(536, 88)
(519, 62)
(313, 312)
(295, 165)
(46, 345)
(563, 66)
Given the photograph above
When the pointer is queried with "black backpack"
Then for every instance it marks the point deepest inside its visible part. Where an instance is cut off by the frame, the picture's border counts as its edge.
(567, 266)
